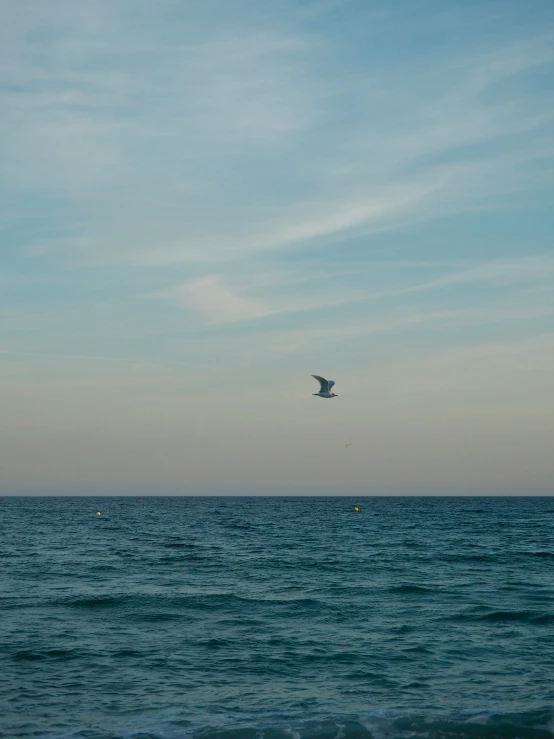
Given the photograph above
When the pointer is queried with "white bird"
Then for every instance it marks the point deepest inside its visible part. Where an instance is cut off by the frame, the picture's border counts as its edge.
(325, 389)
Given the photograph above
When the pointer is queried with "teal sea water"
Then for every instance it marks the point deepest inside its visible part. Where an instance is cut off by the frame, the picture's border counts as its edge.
(277, 618)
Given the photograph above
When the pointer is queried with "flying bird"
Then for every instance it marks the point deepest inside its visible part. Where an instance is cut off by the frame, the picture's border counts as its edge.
(325, 387)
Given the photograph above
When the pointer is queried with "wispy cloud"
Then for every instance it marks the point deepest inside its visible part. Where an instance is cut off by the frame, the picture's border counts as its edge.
(500, 272)
(528, 354)
(215, 302)
(143, 156)
(304, 340)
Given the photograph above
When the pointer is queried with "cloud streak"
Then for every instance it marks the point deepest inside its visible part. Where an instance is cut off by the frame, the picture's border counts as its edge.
(215, 302)
(143, 157)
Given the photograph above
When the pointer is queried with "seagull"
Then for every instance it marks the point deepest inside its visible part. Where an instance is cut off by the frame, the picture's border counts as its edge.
(325, 389)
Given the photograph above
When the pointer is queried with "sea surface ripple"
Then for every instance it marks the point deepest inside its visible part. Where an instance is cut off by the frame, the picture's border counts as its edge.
(277, 618)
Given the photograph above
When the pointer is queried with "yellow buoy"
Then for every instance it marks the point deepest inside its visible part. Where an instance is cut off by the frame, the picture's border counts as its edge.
(356, 509)
(98, 513)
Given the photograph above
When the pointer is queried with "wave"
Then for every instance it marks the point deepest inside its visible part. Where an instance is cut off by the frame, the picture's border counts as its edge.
(531, 725)
(35, 655)
(407, 588)
(192, 600)
(180, 545)
(95, 601)
(490, 558)
(508, 616)
(530, 617)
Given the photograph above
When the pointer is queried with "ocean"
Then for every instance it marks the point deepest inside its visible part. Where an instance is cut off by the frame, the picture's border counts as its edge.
(277, 618)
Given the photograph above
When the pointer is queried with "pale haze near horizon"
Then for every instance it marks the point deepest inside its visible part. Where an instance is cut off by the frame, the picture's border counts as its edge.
(206, 202)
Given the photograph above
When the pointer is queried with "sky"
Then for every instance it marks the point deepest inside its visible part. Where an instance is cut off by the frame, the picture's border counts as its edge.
(203, 202)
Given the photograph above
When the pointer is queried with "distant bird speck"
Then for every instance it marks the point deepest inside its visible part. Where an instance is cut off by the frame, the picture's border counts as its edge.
(325, 387)
(347, 444)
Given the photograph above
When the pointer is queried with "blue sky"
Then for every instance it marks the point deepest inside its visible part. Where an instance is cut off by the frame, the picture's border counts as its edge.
(205, 202)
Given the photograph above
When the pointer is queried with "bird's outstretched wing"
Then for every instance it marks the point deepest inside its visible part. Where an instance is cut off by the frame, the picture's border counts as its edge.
(323, 382)
(331, 383)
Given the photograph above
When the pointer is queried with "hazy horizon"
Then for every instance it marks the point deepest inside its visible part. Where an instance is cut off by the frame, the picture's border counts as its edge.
(207, 202)
(295, 493)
